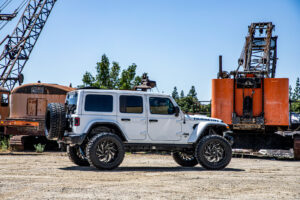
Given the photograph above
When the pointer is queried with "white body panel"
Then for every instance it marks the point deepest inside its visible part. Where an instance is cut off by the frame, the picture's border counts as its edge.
(140, 127)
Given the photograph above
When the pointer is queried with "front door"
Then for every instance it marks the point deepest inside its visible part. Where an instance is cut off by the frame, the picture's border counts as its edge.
(132, 116)
(163, 125)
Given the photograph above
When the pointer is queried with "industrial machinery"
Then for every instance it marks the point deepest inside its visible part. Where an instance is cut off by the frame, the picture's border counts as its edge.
(251, 100)
(17, 47)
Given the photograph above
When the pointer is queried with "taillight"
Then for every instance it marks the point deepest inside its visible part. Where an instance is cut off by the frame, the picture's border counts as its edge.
(76, 121)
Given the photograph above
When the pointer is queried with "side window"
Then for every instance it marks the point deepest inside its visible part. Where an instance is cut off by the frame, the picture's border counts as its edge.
(4, 100)
(131, 104)
(98, 103)
(162, 106)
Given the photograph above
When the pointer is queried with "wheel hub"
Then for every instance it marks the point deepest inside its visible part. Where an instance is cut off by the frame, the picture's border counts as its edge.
(214, 152)
(106, 151)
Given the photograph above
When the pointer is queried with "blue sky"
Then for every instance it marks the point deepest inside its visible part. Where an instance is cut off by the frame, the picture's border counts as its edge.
(177, 42)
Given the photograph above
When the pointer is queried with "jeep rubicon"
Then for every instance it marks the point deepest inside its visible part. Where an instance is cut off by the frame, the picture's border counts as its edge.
(99, 126)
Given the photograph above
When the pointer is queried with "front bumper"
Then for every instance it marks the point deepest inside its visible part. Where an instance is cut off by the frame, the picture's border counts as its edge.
(73, 139)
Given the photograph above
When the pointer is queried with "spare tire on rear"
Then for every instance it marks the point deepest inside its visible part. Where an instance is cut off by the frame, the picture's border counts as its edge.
(55, 121)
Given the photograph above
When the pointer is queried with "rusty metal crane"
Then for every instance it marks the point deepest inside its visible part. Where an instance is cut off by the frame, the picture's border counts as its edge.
(259, 54)
(251, 100)
(19, 45)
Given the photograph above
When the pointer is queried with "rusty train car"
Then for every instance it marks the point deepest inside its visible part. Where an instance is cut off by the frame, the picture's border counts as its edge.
(4, 106)
(24, 113)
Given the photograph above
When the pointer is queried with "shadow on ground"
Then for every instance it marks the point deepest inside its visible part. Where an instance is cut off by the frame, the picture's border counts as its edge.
(20, 154)
(147, 169)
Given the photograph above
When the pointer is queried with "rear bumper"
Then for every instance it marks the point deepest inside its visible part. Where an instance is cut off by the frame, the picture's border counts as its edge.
(73, 139)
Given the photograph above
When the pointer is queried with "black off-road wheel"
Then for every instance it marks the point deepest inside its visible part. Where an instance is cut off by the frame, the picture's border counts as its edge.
(213, 152)
(105, 151)
(185, 159)
(55, 121)
(77, 156)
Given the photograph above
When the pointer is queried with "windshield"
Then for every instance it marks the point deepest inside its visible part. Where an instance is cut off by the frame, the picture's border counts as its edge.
(71, 102)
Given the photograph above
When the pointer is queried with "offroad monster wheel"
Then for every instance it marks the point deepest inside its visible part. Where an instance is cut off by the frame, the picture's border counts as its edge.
(76, 155)
(55, 121)
(105, 151)
(185, 159)
(213, 152)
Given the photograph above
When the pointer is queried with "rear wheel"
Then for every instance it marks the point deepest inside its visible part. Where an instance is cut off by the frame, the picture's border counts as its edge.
(185, 159)
(77, 156)
(105, 151)
(213, 152)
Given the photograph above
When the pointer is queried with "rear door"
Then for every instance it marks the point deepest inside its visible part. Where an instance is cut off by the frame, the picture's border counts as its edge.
(36, 107)
(41, 106)
(31, 107)
(132, 116)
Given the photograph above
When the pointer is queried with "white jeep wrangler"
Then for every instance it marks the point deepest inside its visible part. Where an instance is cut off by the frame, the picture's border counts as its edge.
(99, 126)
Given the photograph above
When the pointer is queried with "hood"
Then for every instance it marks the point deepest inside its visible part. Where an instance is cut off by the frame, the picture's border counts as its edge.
(202, 118)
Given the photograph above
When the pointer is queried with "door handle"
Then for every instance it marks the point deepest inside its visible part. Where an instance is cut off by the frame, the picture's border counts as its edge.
(153, 120)
(125, 119)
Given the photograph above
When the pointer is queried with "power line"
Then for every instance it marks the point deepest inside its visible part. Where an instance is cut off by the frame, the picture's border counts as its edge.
(21, 5)
(5, 4)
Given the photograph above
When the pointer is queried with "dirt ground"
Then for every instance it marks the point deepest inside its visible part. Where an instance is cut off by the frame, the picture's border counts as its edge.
(53, 176)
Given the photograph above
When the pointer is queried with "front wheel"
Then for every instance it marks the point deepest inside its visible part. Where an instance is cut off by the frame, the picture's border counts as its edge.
(185, 159)
(213, 152)
(105, 151)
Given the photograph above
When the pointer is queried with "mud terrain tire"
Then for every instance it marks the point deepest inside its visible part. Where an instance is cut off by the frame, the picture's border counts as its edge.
(213, 152)
(105, 151)
(55, 121)
(184, 159)
(76, 156)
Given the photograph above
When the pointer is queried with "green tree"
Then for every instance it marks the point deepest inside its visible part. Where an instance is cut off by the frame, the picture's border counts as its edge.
(181, 94)
(192, 93)
(137, 80)
(110, 78)
(296, 94)
(88, 79)
(114, 76)
(175, 94)
(102, 77)
(290, 92)
(187, 104)
(128, 77)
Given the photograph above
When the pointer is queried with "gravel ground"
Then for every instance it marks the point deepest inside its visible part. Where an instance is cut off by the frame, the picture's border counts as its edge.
(53, 176)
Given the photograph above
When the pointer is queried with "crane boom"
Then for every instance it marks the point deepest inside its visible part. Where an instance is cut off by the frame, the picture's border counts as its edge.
(259, 54)
(21, 42)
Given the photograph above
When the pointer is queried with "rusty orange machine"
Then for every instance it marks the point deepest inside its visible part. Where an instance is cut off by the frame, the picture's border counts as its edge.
(251, 100)
(28, 107)
(252, 103)
(4, 105)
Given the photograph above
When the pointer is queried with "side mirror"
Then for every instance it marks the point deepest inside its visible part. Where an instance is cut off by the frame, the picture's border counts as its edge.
(177, 110)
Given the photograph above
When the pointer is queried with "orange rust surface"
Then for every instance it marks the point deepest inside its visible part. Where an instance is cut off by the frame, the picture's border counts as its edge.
(18, 123)
(276, 100)
(257, 100)
(62, 87)
(222, 99)
(4, 109)
(32, 105)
